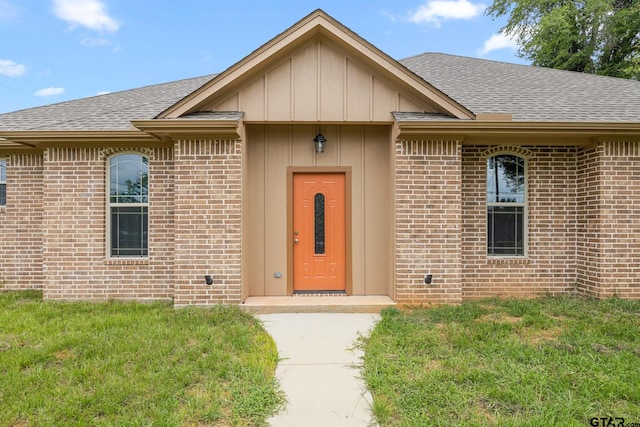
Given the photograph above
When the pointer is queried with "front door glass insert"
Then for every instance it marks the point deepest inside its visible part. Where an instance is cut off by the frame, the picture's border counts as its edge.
(319, 223)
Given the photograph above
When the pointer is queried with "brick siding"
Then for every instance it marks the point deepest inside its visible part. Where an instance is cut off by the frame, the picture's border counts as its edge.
(583, 223)
(549, 266)
(76, 265)
(428, 221)
(588, 245)
(21, 224)
(208, 227)
(619, 219)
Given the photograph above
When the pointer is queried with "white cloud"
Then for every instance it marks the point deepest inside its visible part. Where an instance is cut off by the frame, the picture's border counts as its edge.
(498, 41)
(91, 14)
(93, 42)
(11, 69)
(50, 91)
(103, 92)
(435, 11)
(8, 11)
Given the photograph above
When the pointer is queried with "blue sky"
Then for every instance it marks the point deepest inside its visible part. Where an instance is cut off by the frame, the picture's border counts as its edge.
(56, 50)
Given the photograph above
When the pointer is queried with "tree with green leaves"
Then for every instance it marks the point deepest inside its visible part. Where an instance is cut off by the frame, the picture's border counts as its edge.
(591, 36)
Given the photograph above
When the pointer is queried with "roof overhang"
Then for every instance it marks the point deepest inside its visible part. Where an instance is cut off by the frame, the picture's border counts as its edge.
(226, 125)
(147, 132)
(34, 139)
(469, 129)
(6, 144)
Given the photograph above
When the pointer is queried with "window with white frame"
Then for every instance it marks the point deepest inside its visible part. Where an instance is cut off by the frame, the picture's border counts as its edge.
(3, 182)
(506, 205)
(128, 205)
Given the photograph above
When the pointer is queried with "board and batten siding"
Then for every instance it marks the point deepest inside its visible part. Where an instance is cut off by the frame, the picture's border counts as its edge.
(319, 82)
(366, 150)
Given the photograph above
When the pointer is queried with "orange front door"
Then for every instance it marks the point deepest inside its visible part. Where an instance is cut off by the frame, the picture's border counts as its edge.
(319, 239)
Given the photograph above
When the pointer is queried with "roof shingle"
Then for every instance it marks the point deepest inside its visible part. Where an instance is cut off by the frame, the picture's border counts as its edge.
(529, 93)
(482, 86)
(113, 111)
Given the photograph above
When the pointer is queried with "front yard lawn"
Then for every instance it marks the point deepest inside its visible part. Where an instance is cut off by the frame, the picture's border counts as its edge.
(538, 362)
(132, 364)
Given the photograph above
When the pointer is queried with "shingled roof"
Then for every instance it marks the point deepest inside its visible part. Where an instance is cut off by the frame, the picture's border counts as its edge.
(483, 86)
(113, 111)
(529, 93)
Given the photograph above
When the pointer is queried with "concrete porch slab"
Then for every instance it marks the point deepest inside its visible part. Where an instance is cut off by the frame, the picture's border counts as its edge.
(317, 304)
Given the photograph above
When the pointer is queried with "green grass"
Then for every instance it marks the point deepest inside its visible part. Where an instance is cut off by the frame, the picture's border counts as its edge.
(539, 362)
(132, 364)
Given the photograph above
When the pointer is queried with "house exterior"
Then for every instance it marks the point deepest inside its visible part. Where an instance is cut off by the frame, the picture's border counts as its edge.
(442, 178)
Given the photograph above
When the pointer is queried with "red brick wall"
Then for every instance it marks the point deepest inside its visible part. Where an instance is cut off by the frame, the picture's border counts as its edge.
(76, 265)
(619, 219)
(550, 265)
(21, 224)
(428, 221)
(208, 227)
(583, 224)
(588, 245)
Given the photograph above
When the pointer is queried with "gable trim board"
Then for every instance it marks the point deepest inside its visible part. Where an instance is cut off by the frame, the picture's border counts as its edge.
(317, 25)
(413, 138)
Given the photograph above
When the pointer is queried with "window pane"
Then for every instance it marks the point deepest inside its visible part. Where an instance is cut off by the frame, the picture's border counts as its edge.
(505, 230)
(129, 179)
(3, 182)
(129, 228)
(319, 224)
(505, 179)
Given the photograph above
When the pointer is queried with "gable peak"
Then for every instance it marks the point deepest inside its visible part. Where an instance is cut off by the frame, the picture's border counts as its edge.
(317, 24)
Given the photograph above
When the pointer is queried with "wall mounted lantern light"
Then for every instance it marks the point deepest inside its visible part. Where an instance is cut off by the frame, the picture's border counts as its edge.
(319, 142)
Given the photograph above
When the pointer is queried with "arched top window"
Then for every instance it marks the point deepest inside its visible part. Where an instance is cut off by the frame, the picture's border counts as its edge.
(506, 205)
(128, 205)
(505, 179)
(129, 178)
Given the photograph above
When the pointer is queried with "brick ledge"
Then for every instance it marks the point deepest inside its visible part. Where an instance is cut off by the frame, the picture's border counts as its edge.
(127, 261)
(508, 260)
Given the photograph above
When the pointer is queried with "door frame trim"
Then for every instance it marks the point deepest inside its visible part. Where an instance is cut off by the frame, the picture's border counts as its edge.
(295, 170)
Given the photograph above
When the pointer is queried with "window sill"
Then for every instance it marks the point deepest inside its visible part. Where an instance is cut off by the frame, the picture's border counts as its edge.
(508, 260)
(126, 261)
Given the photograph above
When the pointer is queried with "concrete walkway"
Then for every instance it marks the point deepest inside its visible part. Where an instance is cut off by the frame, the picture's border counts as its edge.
(319, 370)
